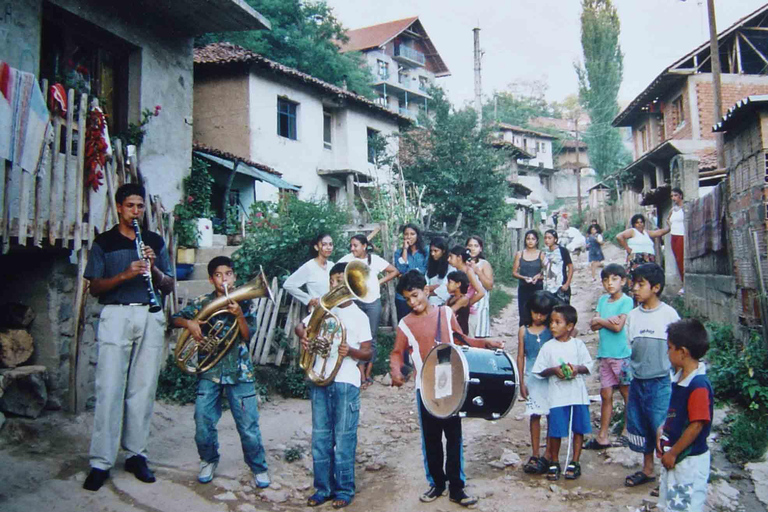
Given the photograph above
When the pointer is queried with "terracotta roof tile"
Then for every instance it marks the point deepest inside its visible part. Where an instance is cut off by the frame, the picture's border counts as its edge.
(371, 37)
(707, 159)
(515, 128)
(228, 53)
(196, 146)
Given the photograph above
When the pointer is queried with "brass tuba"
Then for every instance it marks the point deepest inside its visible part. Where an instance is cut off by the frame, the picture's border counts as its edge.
(359, 283)
(196, 357)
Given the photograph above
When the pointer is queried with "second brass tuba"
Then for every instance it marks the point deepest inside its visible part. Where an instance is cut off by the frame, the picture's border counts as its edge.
(195, 357)
(323, 328)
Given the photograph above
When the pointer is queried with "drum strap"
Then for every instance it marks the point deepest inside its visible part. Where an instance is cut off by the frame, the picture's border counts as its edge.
(439, 335)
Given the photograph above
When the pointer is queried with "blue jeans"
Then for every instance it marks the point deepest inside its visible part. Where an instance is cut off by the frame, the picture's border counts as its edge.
(646, 411)
(244, 406)
(335, 414)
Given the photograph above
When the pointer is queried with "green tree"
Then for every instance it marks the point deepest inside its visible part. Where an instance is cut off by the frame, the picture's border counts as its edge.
(458, 167)
(523, 100)
(303, 36)
(599, 81)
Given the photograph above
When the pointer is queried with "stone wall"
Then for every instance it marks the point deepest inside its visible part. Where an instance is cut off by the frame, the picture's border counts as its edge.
(45, 281)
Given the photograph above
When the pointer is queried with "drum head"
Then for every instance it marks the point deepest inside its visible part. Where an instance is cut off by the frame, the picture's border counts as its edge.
(444, 380)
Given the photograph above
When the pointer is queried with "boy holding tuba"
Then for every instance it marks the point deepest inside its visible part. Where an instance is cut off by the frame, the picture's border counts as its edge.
(336, 407)
(233, 375)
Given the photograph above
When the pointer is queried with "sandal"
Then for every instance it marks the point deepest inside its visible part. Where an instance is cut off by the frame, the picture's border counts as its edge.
(340, 502)
(655, 492)
(316, 500)
(543, 466)
(553, 473)
(638, 478)
(572, 471)
(365, 385)
(532, 466)
(594, 444)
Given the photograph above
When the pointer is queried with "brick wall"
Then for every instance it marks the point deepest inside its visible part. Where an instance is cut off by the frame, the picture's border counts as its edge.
(731, 93)
(672, 127)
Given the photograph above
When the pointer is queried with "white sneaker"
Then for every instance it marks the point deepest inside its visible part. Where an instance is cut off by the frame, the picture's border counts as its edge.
(262, 480)
(206, 471)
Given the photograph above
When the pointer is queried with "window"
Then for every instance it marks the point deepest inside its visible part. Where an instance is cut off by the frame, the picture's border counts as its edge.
(678, 112)
(423, 83)
(543, 147)
(373, 143)
(402, 77)
(333, 194)
(383, 69)
(643, 135)
(286, 118)
(327, 129)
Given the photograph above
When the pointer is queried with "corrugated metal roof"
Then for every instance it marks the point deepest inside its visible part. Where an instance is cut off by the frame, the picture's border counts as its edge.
(737, 111)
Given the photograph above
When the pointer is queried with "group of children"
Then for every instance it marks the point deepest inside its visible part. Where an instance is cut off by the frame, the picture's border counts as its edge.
(639, 347)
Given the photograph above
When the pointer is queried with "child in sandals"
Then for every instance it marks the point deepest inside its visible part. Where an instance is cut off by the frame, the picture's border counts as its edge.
(532, 388)
(564, 361)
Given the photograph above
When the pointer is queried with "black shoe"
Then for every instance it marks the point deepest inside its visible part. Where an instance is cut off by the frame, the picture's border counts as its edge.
(432, 494)
(138, 466)
(95, 479)
(462, 498)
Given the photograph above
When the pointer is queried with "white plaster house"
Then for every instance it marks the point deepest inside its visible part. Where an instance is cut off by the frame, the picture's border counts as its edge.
(314, 134)
(403, 60)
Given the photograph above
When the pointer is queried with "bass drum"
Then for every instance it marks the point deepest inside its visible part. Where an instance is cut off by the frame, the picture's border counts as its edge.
(470, 382)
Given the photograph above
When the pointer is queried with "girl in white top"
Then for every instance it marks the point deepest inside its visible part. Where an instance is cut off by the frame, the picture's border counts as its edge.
(638, 243)
(362, 250)
(437, 272)
(313, 274)
(676, 226)
(480, 316)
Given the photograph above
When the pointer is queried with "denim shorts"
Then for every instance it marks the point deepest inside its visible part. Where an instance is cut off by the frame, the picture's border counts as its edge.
(646, 411)
(560, 418)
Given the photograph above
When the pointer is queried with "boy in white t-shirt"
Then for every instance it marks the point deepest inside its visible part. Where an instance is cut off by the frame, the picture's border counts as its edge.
(565, 361)
(336, 407)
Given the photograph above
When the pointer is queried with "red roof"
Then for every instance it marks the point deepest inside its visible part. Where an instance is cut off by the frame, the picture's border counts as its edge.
(376, 35)
(367, 38)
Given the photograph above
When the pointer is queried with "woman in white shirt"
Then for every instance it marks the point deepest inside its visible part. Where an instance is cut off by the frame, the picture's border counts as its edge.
(479, 316)
(437, 271)
(676, 227)
(362, 250)
(638, 243)
(313, 275)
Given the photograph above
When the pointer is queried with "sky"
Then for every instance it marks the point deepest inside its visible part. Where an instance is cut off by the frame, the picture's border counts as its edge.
(541, 39)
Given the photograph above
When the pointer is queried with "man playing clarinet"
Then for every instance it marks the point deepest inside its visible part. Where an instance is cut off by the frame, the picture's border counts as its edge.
(130, 337)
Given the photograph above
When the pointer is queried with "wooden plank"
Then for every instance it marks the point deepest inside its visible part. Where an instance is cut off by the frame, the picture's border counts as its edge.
(109, 177)
(74, 344)
(264, 325)
(55, 156)
(69, 172)
(117, 155)
(286, 331)
(272, 328)
(261, 307)
(388, 255)
(80, 171)
(6, 211)
(24, 194)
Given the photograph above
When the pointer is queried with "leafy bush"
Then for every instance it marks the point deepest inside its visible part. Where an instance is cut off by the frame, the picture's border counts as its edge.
(278, 236)
(501, 256)
(293, 453)
(746, 439)
(195, 204)
(175, 386)
(738, 370)
(609, 235)
(287, 381)
(385, 342)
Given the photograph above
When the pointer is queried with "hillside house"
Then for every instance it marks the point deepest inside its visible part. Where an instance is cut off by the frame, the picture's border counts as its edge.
(403, 60)
(320, 138)
(671, 120)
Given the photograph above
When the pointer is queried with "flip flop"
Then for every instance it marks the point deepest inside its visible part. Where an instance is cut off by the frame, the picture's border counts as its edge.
(340, 502)
(638, 478)
(316, 500)
(594, 444)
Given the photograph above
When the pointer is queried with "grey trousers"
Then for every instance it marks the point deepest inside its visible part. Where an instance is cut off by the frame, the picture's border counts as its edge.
(130, 341)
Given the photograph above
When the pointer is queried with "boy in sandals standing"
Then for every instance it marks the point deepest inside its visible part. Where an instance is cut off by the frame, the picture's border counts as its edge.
(565, 361)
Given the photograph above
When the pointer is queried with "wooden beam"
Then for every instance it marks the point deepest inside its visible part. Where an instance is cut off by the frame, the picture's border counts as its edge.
(758, 52)
(739, 69)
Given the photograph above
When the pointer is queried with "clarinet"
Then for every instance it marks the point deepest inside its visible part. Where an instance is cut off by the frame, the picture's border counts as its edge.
(154, 301)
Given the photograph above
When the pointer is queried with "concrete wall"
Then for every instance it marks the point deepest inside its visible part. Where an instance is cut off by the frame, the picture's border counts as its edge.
(564, 183)
(300, 159)
(20, 33)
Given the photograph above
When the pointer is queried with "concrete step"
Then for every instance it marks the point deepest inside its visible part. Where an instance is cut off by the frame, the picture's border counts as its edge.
(206, 254)
(219, 240)
(199, 272)
(193, 288)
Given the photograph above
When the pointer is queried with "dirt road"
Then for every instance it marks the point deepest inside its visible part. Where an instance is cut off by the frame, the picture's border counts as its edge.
(43, 462)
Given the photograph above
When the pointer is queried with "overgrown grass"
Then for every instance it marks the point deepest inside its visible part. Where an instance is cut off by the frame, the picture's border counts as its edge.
(175, 386)
(746, 438)
(385, 342)
(499, 300)
(609, 235)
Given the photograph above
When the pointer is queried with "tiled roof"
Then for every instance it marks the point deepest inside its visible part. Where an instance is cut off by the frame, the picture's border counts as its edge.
(196, 146)
(228, 53)
(707, 159)
(520, 129)
(571, 144)
(371, 37)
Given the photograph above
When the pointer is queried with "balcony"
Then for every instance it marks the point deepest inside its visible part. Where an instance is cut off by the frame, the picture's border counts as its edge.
(409, 56)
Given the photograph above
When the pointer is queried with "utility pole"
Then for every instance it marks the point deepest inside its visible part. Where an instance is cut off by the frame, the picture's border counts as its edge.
(478, 81)
(718, 100)
(578, 164)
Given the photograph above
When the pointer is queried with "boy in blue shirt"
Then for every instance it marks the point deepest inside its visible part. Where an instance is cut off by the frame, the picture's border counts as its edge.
(682, 441)
(613, 351)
